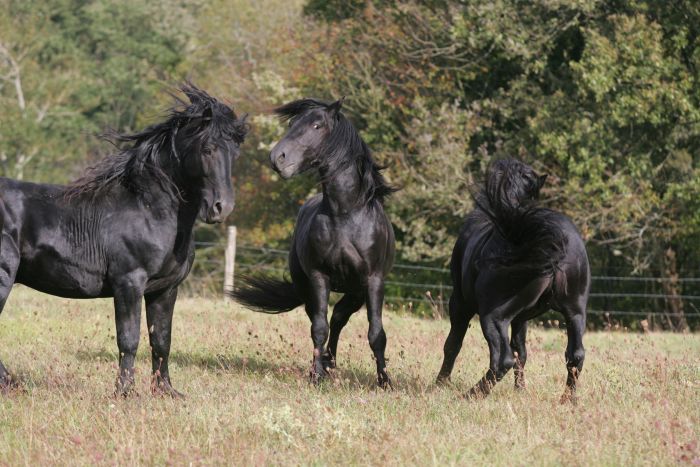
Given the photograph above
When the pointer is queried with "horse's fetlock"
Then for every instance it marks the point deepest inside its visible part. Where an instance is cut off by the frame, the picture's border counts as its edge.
(576, 359)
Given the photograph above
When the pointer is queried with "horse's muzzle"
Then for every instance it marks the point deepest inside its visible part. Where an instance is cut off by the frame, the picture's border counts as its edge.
(218, 211)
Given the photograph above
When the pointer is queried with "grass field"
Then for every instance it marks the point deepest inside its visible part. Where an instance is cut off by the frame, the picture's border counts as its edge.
(248, 401)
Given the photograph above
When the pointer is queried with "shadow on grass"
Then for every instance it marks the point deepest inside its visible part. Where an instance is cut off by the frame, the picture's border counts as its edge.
(349, 377)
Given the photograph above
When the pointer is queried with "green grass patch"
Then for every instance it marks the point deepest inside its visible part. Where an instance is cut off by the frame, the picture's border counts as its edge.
(248, 400)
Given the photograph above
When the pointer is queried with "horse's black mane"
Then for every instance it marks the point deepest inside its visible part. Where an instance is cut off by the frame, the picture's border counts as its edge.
(149, 156)
(508, 198)
(343, 146)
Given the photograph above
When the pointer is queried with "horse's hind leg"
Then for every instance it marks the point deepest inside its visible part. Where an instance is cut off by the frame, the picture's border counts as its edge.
(500, 356)
(8, 270)
(342, 311)
(575, 353)
(459, 323)
(376, 334)
(517, 345)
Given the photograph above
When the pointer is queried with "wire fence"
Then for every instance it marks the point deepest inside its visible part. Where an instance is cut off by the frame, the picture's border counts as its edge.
(415, 285)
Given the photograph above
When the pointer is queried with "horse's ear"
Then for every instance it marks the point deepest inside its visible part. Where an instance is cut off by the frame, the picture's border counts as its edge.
(541, 179)
(207, 113)
(335, 107)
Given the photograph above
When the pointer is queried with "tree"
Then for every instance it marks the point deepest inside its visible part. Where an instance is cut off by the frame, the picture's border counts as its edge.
(601, 95)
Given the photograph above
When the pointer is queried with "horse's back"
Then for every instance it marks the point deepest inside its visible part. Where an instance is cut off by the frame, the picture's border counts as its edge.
(478, 279)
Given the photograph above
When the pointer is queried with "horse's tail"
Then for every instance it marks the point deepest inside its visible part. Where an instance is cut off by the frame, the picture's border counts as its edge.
(266, 295)
(537, 243)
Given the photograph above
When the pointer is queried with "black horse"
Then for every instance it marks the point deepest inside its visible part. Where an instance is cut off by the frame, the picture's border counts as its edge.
(513, 261)
(343, 240)
(125, 229)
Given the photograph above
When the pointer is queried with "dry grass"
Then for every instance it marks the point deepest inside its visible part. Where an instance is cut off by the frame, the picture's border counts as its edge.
(249, 402)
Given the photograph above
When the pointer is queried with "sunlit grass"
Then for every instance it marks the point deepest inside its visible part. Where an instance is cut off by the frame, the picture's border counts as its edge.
(249, 402)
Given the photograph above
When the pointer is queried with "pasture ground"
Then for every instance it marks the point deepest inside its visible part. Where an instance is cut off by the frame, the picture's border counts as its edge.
(249, 402)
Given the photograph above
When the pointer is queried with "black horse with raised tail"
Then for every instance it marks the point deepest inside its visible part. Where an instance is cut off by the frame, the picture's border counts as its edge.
(513, 261)
(125, 230)
(343, 240)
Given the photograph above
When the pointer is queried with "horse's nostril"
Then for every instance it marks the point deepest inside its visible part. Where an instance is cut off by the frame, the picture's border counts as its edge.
(281, 157)
(218, 208)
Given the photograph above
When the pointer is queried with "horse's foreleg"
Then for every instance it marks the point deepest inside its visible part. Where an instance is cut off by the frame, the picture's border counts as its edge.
(128, 291)
(317, 310)
(376, 334)
(159, 316)
(500, 356)
(575, 353)
(459, 322)
(517, 345)
(342, 311)
(9, 263)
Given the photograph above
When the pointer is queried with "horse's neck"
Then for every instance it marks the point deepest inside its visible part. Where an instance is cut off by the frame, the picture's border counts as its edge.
(343, 191)
(183, 209)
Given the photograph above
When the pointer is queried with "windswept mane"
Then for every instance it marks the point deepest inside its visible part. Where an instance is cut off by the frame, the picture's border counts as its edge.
(151, 155)
(535, 240)
(343, 146)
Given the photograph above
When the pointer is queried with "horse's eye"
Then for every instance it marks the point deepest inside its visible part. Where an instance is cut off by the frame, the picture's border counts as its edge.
(316, 126)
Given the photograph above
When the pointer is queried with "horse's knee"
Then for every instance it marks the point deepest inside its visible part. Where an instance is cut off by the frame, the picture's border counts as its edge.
(128, 343)
(505, 365)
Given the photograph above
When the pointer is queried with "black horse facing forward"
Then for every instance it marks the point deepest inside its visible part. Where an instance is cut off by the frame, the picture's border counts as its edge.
(343, 240)
(513, 261)
(125, 230)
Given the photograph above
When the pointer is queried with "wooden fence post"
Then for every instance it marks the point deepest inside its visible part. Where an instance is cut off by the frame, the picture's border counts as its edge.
(230, 257)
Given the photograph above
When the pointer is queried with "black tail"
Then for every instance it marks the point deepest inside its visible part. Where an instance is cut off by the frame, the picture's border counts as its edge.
(537, 243)
(266, 295)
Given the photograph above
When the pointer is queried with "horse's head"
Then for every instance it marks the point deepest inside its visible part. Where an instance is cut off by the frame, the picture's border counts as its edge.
(311, 124)
(208, 143)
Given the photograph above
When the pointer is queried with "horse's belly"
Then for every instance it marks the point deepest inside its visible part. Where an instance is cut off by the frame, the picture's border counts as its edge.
(62, 279)
(64, 271)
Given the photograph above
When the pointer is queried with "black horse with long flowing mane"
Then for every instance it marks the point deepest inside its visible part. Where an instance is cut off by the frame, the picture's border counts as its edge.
(513, 261)
(343, 240)
(125, 230)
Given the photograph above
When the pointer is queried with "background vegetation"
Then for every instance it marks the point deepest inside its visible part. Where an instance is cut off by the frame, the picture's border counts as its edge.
(603, 95)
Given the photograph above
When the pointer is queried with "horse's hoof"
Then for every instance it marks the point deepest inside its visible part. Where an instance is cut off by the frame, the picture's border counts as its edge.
(568, 398)
(475, 394)
(383, 380)
(7, 384)
(443, 380)
(316, 377)
(125, 383)
(161, 387)
(328, 361)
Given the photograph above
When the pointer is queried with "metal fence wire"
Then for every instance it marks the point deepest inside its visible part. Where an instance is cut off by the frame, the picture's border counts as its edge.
(416, 285)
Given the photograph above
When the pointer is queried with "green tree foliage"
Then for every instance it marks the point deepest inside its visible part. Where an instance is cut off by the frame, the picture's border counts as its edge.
(71, 68)
(602, 95)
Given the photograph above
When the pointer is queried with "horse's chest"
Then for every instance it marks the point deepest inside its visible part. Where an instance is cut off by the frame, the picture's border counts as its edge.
(336, 254)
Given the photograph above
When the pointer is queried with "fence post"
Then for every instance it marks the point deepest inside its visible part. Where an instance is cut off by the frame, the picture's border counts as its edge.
(230, 258)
